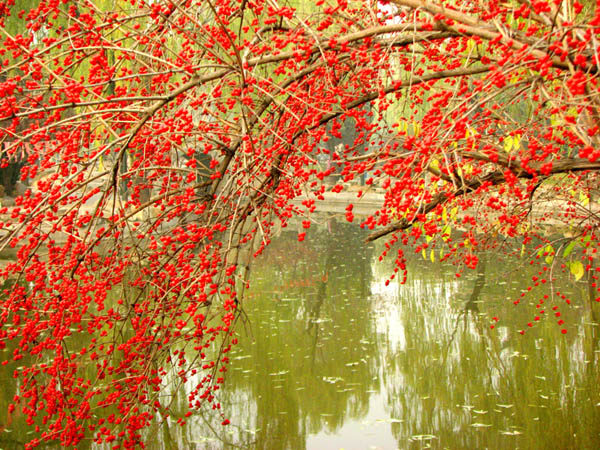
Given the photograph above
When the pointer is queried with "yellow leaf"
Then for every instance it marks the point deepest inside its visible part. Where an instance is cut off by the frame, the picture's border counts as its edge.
(470, 45)
(549, 250)
(508, 143)
(416, 128)
(576, 269)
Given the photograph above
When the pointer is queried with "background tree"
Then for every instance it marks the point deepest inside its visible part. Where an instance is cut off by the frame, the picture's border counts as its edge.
(172, 137)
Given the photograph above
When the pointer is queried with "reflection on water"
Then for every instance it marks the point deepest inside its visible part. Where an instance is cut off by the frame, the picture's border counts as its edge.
(332, 357)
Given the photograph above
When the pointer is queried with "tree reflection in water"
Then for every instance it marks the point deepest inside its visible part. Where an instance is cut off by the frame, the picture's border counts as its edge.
(332, 356)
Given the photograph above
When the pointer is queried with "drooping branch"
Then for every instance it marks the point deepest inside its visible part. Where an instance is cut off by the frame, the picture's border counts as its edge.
(494, 178)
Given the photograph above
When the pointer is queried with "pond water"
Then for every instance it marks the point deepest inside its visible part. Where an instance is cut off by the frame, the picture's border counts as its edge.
(333, 357)
(330, 357)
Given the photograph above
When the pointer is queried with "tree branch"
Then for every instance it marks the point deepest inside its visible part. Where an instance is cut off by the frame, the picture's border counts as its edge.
(494, 178)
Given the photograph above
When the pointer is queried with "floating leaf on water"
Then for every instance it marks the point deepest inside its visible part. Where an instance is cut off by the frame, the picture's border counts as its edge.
(332, 380)
(479, 411)
(422, 437)
(352, 364)
(318, 320)
(499, 405)
(481, 425)
(283, 372)
(511, 433)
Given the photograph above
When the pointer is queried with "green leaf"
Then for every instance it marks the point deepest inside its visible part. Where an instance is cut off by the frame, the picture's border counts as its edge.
(584, 199)
(446, 231)
(432, 256)
(576, 269)
(550, 254)
(569, 248)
